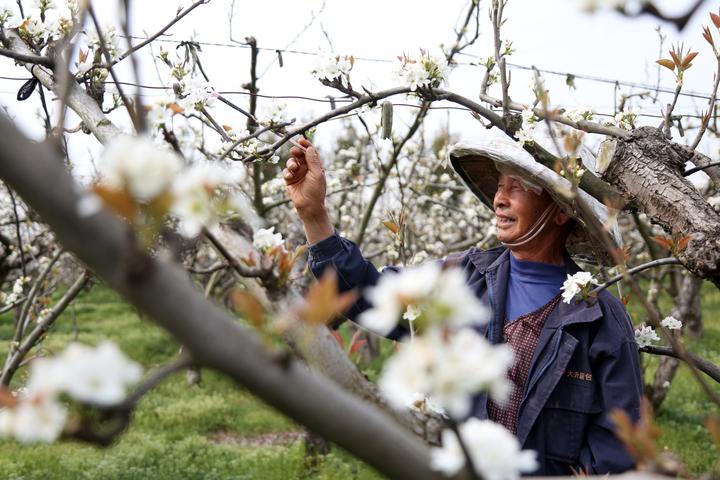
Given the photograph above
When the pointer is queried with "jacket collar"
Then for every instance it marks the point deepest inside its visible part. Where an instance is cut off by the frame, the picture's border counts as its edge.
(497, 261)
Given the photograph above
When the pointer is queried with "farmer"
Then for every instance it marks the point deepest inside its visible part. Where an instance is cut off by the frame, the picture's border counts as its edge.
(574, 362)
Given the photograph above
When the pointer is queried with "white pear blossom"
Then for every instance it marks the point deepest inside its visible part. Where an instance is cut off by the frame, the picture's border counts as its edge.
(626, 118)
(440, 295)
(197, 194)
(576, 284)
(196, 94)
(671, 323)
(40, 419)
(17, 290)
(6, 422)
(495, 452)
(426, 71)
(449, 368)
(8, 16)
(159, 115)
(580, 113)
(109, 37)
(139, 165)
(411, 313)
(330, 67)
(529, 122)
(266, 239)
(274, 113)
(97, 375)
(645, 336)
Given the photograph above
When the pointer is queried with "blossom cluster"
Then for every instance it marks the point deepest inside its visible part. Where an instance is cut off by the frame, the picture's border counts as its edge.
(333, 67)
(580, 113)
(155, 177)
(447, 367)
(195, 94)
(494, 451)
(577, 284)
(645, 335)
(265, 239)
(426, 71)
(527, 130)
(440, 294)
(16, 293)
(95, 375)
(671, 323)
(626, 118)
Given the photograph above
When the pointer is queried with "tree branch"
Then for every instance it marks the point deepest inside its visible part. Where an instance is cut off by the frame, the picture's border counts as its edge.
(705, 366)
(28, 58)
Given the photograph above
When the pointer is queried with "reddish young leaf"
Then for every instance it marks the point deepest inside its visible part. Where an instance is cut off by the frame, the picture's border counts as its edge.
(665, 242)
(626, 299)
(675, 57)
(682, 243)
(708, 36)
(392, 226)
(323, 303)
(715, 19)
(250, 307)
(118, 200)
(669, 64)
(688, 59)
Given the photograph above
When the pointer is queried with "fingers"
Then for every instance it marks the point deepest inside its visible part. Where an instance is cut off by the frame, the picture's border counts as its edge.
(294, 171)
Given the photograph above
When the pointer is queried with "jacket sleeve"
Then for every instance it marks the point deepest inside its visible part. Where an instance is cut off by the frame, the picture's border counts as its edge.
(352, 269)
(616, 367)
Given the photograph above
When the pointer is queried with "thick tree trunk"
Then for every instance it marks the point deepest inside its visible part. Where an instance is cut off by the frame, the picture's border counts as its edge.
(647, 170)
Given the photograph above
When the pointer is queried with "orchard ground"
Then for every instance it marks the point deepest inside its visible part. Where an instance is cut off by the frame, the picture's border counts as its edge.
(217, 430)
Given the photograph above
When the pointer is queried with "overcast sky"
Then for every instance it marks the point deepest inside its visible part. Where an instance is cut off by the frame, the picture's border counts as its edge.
(550, 34)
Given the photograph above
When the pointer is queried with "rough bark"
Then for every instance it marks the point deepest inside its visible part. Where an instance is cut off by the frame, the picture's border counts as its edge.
(647, 170)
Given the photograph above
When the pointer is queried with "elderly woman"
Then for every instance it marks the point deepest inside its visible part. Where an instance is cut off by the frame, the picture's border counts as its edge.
(574, 362)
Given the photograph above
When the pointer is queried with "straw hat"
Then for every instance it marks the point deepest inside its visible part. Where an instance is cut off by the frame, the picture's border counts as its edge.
(477, 163)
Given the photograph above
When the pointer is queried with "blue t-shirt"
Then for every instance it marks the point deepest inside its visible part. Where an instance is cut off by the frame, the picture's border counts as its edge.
(531, 285)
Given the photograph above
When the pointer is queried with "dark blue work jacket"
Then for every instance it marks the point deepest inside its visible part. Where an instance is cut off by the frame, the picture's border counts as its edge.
(585, 365)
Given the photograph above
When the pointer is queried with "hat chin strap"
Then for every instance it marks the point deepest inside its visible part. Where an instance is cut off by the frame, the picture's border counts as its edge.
(537, 227)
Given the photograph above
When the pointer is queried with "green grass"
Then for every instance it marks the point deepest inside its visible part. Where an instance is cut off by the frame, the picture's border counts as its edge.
(681, 416)
(173, 434)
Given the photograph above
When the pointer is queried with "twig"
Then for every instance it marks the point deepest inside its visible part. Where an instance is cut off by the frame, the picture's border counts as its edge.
(135, 116)
(155, 36)
(705, 366)
(211, 269)
(25, 58)
(234, 263)
(43, 325)
(32, 294)
(699, 169)
(634, 270)
(496, 15)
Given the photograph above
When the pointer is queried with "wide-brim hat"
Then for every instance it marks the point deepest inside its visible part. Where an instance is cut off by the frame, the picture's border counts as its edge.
(477, 164)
